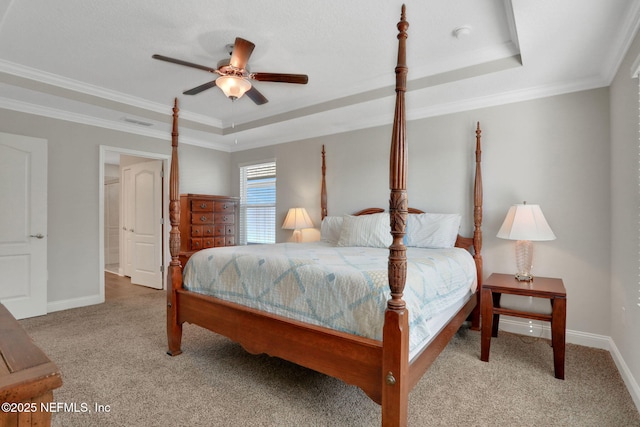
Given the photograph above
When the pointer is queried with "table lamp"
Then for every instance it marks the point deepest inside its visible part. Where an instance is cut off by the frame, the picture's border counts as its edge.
(525, 223)
(297, 219)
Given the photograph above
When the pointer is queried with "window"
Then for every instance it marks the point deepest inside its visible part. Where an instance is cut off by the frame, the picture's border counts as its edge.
(258, 203)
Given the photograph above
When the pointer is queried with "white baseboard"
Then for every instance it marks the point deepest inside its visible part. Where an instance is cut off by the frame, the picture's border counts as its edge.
(542, 329)
(74, 303)
(625, 373)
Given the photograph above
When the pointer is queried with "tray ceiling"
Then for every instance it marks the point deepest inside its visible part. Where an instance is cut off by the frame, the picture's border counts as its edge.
(90, 61)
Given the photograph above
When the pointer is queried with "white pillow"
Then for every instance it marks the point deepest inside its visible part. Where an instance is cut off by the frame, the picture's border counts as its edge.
(366, 230)
(330, 229)
(431, 230)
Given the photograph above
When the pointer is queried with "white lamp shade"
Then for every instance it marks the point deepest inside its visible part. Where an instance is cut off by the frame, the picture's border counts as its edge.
(525, 222)
(232, 86)
(297, 218)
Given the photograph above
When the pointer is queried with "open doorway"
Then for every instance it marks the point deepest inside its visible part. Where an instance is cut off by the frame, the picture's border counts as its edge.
(112, 215)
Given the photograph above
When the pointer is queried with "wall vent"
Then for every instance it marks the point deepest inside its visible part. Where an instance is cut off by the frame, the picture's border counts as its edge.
(136, 122)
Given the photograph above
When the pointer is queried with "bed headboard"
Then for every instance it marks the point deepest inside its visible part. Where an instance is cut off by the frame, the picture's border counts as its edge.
(474, 242)
(461, 242)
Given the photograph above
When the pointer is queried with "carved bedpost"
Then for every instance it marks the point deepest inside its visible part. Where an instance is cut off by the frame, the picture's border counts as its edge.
(477, 221)
(395, 365)
(398, 203)
(174, 274)
(477, 206)
(323, 190)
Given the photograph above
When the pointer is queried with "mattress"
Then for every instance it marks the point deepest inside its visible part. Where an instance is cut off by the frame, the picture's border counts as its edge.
(342, 288)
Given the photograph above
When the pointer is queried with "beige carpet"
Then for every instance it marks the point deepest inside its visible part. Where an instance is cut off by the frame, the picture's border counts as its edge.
(114, 354)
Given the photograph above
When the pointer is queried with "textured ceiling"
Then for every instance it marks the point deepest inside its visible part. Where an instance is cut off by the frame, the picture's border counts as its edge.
(90, 61)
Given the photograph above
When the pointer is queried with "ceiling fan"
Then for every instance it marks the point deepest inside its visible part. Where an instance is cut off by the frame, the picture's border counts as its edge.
(233, 74)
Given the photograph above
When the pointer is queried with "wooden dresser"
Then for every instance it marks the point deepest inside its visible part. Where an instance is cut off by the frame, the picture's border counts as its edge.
(206, 221)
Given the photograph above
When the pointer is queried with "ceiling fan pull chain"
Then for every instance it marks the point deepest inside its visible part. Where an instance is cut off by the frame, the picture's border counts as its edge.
(233, 113)
(233, 123)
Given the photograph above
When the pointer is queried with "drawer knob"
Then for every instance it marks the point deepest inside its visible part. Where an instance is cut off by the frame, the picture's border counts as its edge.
(203, 205)
(203, 218)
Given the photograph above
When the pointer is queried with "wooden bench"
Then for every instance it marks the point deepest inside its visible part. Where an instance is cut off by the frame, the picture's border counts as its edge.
(27, 376)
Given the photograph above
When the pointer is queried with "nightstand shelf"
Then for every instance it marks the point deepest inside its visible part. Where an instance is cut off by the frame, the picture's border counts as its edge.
(539, 287)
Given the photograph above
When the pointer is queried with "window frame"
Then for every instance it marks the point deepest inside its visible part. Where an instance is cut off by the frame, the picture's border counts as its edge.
(263, 229)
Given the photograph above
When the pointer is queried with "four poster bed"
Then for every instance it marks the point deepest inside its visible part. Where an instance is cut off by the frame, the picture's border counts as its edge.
(377, 348)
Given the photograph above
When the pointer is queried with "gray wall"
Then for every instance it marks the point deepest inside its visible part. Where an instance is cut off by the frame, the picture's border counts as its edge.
(73, 202)
(552, 151)
(625, 208)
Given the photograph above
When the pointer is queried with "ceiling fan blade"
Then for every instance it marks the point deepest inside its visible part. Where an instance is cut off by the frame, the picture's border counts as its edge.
(281, 78)
(181, 62)
(201, 88)
(241, 52)
(256, 96)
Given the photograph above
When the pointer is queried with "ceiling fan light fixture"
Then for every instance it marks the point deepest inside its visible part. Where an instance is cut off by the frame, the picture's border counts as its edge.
(232, 86)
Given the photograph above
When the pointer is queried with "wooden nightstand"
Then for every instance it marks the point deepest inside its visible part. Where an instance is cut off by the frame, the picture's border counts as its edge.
(539, 287)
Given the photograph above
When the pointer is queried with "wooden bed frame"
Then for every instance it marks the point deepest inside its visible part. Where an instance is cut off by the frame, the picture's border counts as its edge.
(380, 368)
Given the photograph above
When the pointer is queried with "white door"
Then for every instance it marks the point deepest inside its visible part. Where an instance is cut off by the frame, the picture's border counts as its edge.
(23, 225)
(127, 220)
(146, 228)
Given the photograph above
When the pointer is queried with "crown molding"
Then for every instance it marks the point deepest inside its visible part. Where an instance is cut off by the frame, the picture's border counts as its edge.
(54, 80)
(54, 113)
(508, 97)
(305, 132)
(629, 30)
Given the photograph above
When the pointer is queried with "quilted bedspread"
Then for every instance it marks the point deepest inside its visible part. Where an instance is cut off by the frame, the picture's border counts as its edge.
(342, 288)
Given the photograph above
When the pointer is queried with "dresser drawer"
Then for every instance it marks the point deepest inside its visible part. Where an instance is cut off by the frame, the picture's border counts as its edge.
(196, 231)
(229, 241)
(199, 205)
(201, 218)
(226, 207)
(221, 218)
(230, 229)
(195, 244)
(219, 230)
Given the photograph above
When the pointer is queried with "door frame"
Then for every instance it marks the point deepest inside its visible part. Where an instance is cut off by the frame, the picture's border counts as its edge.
(105, 150)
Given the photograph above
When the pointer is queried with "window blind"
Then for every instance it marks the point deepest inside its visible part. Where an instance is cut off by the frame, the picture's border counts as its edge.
(258, 203)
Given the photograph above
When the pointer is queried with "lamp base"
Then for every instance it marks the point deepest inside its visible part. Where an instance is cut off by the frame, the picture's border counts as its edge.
(524, 260)
(524, 277)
